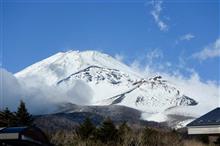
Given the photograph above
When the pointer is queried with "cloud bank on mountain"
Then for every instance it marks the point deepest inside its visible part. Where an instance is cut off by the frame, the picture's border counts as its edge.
(10, 90)
(39, 97)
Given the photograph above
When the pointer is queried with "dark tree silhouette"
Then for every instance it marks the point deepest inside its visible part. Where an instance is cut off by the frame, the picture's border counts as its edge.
(107, 132)
(23, 117)
(123, 128)
(86, 129)
(217, 142)
(7, 118)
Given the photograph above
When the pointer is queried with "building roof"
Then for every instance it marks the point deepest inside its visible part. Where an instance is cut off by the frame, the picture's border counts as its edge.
(210, 118)
(12, 129)
(19, 135)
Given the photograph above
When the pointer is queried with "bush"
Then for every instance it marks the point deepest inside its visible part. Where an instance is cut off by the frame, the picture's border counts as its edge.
(156, 137)
(217, 142)
(193, 143)
(151, 137)
(203, 138)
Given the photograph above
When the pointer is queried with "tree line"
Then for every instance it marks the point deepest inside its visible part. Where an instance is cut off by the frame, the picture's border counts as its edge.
(13, 119)
(105, 134)
(109, 134)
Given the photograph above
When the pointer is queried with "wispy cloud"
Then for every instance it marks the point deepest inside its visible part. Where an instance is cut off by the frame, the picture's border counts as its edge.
(156, 13)
(210, 51)
(154, 54)
(187, 37)
(119, 57)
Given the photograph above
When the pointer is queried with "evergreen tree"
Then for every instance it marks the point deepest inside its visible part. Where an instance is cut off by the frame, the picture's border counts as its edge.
(7, 118)
(23, 117)
(86, 129)
(123, 130)
(107, 132)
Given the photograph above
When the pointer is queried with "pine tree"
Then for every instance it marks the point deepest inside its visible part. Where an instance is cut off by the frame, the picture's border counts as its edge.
(86, 129)
(7, 118)
(23, 117)
(123, 130)
(107, 132)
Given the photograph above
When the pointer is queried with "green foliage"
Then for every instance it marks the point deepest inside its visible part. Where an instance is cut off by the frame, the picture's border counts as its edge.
(86, 129)
(23, 117)
(7, 118)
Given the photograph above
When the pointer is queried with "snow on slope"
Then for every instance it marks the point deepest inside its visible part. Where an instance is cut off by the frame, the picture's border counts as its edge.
(111, 81)
(62, 64)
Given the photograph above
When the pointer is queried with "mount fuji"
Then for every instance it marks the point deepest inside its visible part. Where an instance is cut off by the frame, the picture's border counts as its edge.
(105, 81)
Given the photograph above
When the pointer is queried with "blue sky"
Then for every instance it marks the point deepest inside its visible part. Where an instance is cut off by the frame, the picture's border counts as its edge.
(171, 36)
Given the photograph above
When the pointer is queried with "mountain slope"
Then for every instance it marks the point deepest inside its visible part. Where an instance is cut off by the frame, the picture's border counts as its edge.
(110, 81)
(62, 64)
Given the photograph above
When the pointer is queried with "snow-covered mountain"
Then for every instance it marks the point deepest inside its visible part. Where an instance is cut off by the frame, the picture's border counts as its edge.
(63, 64)
(110, 81)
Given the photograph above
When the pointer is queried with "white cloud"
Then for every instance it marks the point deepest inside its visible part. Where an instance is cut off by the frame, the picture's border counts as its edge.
(10, 90)
(39, 97)
(119, 57)
(154, 54)
(156, 13)
(187, 37)
(210, 51)
(149, 62)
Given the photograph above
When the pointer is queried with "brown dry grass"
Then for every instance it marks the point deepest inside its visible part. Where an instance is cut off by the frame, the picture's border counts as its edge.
(195, 143)
(132, 138)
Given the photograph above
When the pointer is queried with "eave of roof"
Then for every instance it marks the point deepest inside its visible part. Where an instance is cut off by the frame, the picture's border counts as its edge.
(12, 129)
(210, 118)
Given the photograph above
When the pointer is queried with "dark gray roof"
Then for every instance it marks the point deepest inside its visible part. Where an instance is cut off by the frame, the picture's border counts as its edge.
(211, 118)
(32, 135)
(12, 129)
